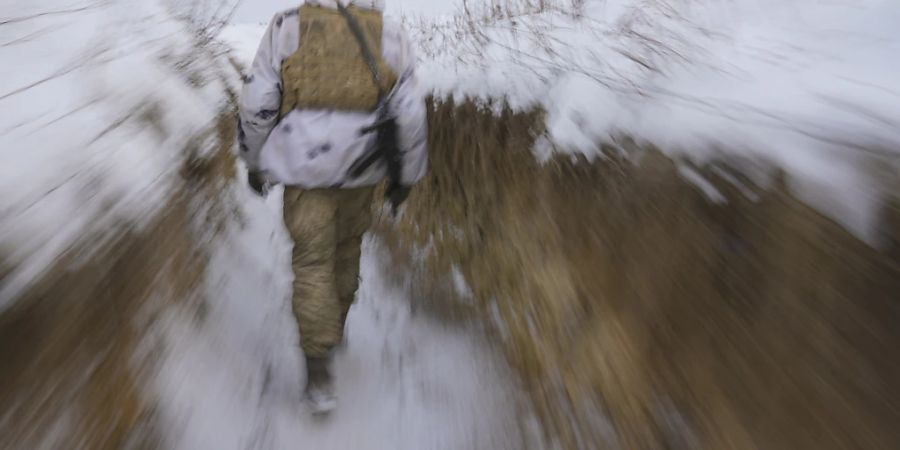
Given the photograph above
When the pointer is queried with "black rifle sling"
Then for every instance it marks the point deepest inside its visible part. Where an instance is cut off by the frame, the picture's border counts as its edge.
(363, 47)
(369, 158)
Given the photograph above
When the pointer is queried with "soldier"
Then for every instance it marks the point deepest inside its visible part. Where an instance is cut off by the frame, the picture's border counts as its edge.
(330, 108)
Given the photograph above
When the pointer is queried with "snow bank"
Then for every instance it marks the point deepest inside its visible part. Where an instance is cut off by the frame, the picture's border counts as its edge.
(808, 86)
(99, 101)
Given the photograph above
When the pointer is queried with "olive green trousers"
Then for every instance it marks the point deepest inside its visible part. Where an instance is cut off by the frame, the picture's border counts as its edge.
(327, 227)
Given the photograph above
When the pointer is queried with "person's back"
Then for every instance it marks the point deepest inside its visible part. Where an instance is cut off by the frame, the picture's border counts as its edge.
(323, 74)
(297, 138)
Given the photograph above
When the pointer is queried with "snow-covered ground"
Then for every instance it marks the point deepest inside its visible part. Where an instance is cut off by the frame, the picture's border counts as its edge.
(233, 379)
(101, 102)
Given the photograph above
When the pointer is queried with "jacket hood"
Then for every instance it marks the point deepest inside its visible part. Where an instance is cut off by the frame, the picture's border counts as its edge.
(377, 5)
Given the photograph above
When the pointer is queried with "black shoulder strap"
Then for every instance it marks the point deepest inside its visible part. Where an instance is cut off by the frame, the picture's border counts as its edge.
(363, 47)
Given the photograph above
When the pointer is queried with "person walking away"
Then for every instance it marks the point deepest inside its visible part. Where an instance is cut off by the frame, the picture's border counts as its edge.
(330, 108)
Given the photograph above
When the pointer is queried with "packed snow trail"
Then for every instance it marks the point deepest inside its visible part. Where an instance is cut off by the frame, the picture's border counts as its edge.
(233, 379)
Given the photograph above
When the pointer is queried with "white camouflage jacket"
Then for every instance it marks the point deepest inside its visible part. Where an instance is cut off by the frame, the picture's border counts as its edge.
(315, 148)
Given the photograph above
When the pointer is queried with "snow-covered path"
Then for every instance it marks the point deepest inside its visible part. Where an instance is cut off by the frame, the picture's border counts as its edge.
(232, 373)
(232, 379)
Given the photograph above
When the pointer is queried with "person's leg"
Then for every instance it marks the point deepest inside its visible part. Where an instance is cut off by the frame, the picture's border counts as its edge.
(354, 217)
(310, 217)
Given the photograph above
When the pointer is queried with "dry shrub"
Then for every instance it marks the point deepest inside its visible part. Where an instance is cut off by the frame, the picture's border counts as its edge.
(627, 299)
(72, 373)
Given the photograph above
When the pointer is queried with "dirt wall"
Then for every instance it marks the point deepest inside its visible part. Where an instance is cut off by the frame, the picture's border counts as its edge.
(643, 316)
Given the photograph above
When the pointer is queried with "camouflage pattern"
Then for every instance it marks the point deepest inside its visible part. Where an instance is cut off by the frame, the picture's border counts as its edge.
(327, 227)
(304, 101)
(328, 71)
(315, 148)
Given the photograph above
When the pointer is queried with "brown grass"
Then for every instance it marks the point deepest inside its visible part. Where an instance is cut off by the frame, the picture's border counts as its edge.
(628, 299)
(70, 376)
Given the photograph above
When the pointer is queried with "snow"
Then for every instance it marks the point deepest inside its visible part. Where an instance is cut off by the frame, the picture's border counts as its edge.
(808, 86)
(233, 379)
(102, 103)
(742, 187)
(702, 184)
(244, 40)
(460, 287)
(99, 100)
(94, 121)
(260, 11)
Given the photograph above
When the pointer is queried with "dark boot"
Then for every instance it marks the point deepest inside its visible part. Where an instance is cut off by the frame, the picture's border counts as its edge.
(319, 385)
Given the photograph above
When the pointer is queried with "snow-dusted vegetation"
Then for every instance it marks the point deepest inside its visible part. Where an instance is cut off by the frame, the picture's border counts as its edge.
(102, 103)
(806, 86)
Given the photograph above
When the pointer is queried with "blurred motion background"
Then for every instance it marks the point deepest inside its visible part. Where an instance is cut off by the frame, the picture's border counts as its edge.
(647, 224)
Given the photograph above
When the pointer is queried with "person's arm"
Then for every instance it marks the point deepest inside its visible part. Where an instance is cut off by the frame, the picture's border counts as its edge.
(260, 101)
(408, 103)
